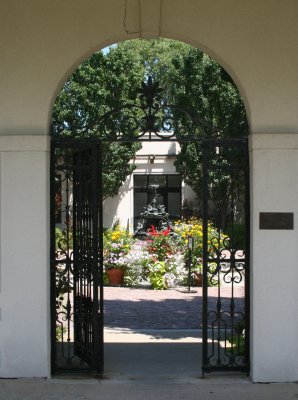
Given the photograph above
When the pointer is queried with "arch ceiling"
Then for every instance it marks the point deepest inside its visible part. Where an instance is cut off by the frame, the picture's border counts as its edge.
(43, 42)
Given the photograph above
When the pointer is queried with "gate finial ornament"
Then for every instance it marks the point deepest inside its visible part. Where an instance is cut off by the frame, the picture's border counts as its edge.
(150, 93)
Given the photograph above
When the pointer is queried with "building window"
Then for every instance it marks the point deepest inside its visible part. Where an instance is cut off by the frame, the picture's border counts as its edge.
(169, 190)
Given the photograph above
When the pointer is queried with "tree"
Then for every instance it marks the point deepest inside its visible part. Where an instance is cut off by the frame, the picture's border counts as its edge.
(206, 88)
(191, 80)
(101, 83)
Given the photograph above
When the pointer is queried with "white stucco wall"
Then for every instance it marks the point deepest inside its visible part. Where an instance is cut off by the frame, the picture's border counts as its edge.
(120, 207)
(24, 262)
(274, 294)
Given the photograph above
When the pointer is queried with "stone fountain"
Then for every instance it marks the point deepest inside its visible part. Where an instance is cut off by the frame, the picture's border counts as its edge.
(153, 214)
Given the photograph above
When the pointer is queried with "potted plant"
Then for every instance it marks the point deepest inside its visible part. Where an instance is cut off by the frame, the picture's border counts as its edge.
(117, 244)
(197, 272)
(115, 275)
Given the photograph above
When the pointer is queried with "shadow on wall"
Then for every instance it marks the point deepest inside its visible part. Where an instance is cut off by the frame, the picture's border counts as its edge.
(111, 205)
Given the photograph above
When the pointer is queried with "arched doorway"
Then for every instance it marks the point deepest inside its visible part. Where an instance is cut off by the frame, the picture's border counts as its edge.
(77, 259)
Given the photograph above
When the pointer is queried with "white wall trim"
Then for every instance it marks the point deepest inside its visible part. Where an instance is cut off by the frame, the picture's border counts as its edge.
(22, 143)
(273, 141)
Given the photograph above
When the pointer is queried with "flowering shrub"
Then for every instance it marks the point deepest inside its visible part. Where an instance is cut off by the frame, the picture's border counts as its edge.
(164, 264)
(136, 262)
(116, 246)
(217, 241)
(194, 229)
(164, 274)
(159, 274)
(161, 259)
(159, 244)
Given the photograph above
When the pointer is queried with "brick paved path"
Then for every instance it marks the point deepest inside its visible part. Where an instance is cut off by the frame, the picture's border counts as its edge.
(133, 308)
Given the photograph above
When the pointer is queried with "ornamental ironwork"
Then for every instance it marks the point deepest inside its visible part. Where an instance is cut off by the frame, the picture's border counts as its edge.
(149, 117)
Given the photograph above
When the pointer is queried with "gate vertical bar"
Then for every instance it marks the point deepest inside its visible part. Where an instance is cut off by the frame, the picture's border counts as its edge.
(205, 254)
(100, 248)
(96, 258)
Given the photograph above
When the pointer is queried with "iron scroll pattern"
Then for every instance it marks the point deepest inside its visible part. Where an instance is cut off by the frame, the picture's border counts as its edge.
(226, 257)
(148, 117)
(76, 272)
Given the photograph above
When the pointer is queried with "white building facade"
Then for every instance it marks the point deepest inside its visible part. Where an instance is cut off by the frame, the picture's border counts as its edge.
(154, 165)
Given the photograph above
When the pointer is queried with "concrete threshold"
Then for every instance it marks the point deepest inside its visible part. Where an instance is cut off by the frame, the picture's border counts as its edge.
(159, 356)
(148, 365)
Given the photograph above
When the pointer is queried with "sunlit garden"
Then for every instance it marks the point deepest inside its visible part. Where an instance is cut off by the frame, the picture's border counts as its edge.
(161, 260)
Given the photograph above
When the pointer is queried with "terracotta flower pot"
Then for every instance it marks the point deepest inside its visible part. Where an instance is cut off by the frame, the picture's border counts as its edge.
(116, 276)
(198, 277)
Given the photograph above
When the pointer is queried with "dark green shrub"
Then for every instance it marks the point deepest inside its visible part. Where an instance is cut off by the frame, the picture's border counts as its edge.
(236, 233)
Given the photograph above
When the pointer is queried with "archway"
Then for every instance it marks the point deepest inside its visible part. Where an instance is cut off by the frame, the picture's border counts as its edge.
(77, 266)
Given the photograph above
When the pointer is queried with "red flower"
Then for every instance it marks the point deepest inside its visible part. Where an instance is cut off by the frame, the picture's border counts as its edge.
(152, 231)
(166, 232)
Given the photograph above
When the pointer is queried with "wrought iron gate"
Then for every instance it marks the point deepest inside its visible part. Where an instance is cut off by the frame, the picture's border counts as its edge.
(76, 256)
(225, 258)
(76, 249)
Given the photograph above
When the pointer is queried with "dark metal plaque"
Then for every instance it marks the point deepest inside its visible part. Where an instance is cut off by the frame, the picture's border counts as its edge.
(276, 220)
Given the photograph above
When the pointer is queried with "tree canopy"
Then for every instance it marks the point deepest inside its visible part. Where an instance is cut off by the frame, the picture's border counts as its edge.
(110, 79)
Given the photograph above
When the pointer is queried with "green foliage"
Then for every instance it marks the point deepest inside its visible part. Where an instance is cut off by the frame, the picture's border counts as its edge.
(156, 275)
(63, 239)
(208, 90)
(101, 83)
(238, 345)
(236, 232)
(116, 166)
(105, 279)
(60, 332)
(192, 81)
(237, 339)
(62, 287)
